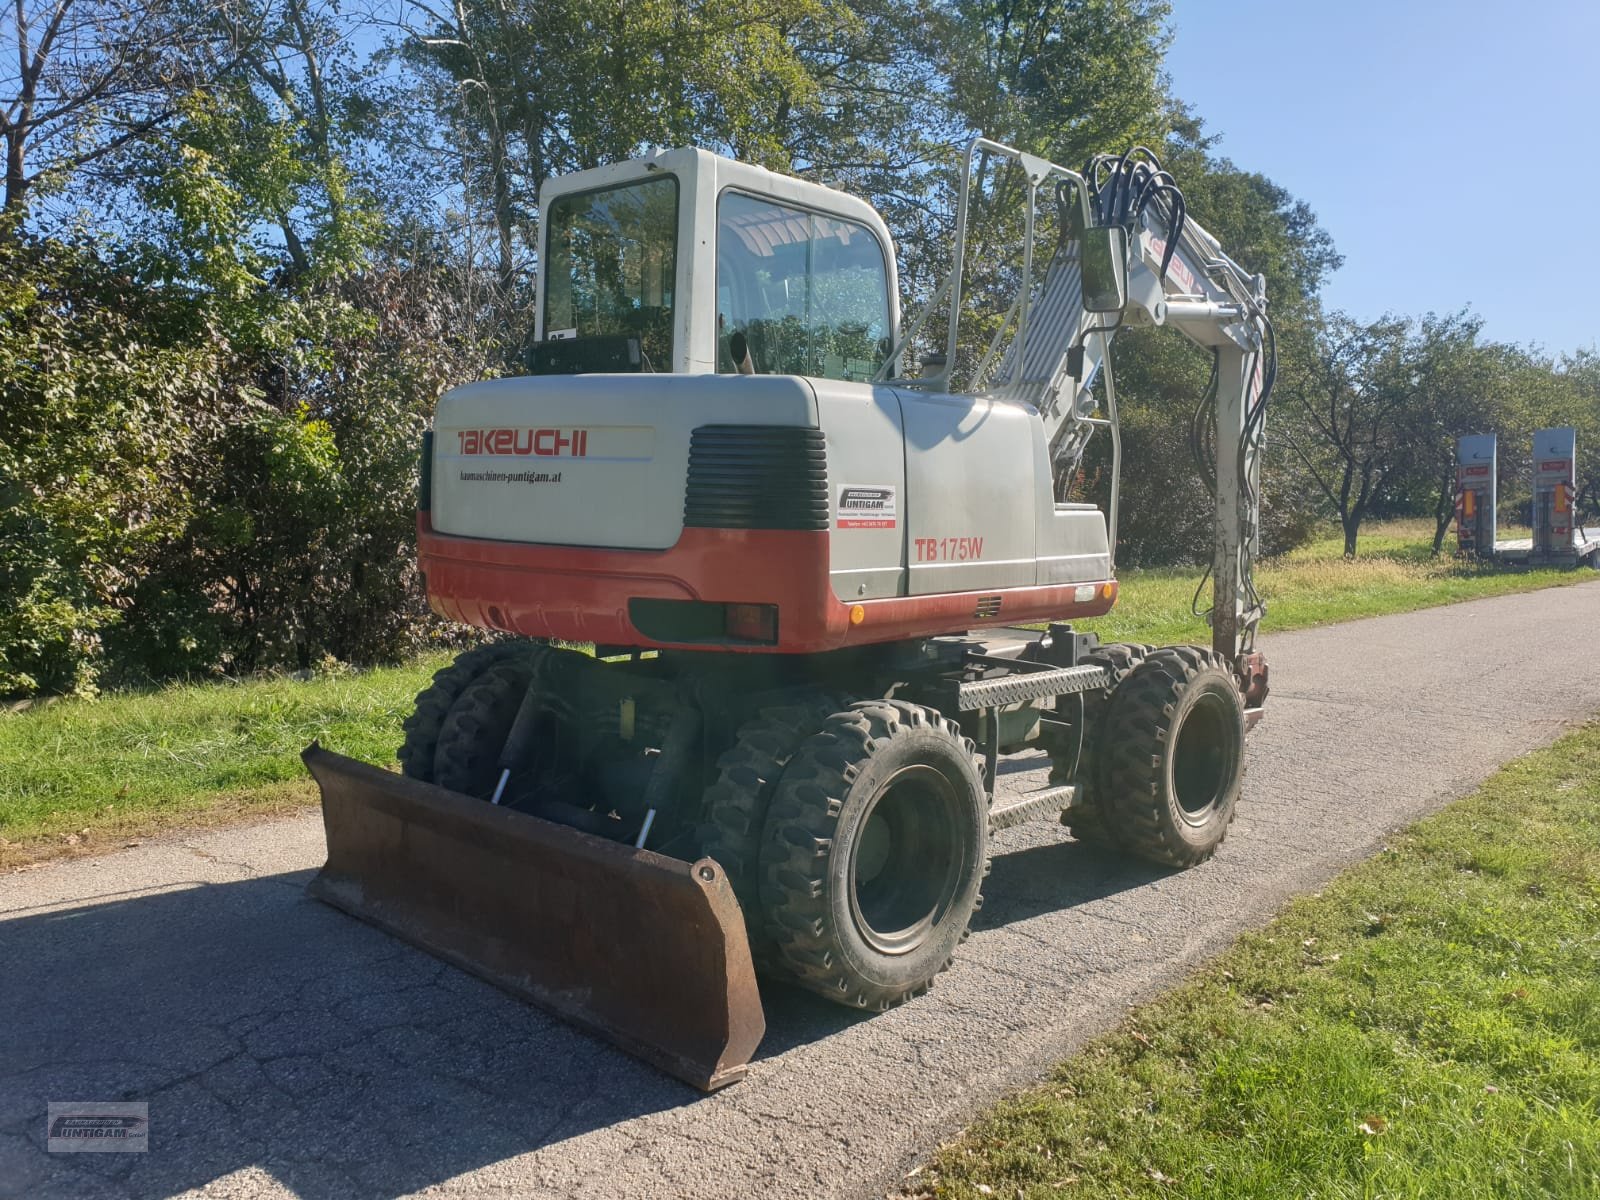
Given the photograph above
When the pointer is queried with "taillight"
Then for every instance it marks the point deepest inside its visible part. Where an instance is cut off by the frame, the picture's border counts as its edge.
(704, 622)
(752, 622)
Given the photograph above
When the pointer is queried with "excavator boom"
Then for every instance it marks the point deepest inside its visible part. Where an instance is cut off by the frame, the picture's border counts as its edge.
(1053, 345)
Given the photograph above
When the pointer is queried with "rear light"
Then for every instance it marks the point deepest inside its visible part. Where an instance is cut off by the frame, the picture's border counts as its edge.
(752, 622)
(704, 622)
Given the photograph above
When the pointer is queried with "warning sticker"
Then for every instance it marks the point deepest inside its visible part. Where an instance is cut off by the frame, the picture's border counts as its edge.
(865, 506)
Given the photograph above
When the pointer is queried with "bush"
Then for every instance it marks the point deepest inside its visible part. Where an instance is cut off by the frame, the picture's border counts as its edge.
(189, 491)
(104, 390)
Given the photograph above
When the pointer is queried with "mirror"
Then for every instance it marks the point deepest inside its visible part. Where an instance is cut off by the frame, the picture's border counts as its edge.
(1105, 268)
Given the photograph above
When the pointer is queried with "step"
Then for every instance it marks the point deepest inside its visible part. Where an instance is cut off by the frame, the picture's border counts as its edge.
(1045, 803)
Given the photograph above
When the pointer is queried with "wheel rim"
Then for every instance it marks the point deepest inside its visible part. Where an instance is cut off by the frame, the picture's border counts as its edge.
(1202, 760)
(906, 861)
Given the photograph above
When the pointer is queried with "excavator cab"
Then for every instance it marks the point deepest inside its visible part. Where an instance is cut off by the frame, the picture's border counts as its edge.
(685, 253)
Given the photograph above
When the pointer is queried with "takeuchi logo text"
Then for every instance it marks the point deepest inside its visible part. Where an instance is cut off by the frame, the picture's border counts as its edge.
(544, 443)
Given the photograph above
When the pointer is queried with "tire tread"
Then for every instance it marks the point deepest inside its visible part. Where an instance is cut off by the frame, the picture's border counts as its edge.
(801, 825)
(736, 803)
(421, 729)
(1133, 804)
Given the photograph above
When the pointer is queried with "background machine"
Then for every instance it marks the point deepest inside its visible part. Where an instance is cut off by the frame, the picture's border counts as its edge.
(1477, 482)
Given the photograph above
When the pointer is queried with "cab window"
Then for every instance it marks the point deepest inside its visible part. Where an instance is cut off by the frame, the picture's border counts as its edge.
(611, 256)
(809, 292)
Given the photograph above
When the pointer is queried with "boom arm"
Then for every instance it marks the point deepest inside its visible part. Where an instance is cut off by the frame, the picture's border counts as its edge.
(1051, 349)
(1215, 303)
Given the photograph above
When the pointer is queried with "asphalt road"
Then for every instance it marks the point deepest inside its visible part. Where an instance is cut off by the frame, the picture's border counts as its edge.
(285, 1049)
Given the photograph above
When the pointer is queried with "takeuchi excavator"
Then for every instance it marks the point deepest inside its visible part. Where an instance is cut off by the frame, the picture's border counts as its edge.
(772, 598)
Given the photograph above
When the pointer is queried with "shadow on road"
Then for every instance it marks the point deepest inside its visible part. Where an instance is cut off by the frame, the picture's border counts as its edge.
(270, 1032)
(1054, 876)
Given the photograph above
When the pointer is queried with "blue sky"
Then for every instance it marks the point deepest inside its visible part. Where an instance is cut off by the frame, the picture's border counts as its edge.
(1452, 150)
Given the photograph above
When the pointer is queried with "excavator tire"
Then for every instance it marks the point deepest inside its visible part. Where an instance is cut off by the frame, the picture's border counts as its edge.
(475, 732)
(1173, 756)
(737, 801)
(433, 704)
(1085, 819)
(875, 847)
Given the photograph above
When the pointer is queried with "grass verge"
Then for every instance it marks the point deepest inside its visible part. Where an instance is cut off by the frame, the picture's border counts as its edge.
(1427, 1026)
(1315, 585)
(77, 776)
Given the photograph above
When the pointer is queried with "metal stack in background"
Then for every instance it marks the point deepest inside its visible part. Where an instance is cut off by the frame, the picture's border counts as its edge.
(1476, 480)
(1557, 539)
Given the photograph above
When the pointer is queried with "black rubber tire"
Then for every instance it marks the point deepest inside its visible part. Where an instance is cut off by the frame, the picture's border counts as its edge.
(1086, 819)
(433, 704)
(1173, 757)
(875, 944)
(475, 732)
(736, 803)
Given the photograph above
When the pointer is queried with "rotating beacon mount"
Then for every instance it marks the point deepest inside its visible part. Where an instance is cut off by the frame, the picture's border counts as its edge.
(1555, 453)
(1475, 494)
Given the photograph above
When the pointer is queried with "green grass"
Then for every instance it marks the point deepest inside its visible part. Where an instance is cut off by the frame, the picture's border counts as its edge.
(131, 763)
(1314, 585)
(1429, 1026)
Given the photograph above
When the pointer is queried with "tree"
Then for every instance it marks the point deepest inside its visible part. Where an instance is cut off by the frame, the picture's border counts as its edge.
(1063, 78)
(104, 390)
(1362, 404)
(1467, 391)
(522, 92)
(1351, 439)
(85, 80)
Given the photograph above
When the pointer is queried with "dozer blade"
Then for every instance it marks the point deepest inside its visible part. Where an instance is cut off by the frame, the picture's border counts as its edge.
(648, 952)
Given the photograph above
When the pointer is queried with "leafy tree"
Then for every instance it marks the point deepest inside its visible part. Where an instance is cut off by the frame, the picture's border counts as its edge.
(83, 81)
(104, 389)
(515, 86)
(1360, 409)
(1064, 78)
(1467, 391)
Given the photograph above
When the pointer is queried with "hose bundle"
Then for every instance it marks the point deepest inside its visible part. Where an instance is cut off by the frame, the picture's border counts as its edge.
(1121, 188)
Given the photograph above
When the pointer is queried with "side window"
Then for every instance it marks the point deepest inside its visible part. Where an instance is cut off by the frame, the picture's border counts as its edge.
(810, 293)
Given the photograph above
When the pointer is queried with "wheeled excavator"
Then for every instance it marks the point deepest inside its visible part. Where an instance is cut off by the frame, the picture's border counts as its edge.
(772, 599)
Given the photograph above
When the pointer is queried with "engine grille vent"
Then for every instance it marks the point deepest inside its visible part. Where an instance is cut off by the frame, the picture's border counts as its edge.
(757, 477)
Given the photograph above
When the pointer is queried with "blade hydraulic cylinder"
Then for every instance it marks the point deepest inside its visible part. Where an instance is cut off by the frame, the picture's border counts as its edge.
(647, 951)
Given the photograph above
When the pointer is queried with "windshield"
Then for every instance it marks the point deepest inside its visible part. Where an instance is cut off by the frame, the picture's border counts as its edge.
(610, 258)
(810, 293)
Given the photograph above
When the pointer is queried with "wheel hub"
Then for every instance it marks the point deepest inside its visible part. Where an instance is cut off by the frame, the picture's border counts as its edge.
(1201, 770)
(906, 862)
